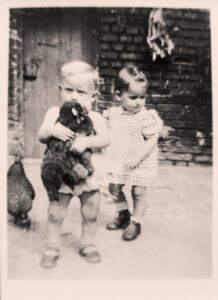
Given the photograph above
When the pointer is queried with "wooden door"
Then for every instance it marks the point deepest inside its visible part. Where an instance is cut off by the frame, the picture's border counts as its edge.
(51, 38)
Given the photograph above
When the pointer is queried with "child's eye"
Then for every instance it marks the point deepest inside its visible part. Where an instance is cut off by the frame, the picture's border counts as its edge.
(142, 97)
(133, 97)
(68, 90)
(81, 92)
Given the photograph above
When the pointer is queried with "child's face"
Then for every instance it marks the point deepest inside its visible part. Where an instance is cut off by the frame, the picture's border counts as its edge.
(133, 99)
(78, 88)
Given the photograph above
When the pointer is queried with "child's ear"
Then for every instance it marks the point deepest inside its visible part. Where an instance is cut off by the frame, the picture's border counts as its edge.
(95, 95)
(118, 95)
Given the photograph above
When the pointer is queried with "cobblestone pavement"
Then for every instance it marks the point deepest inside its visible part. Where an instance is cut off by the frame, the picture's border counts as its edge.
(176, 239)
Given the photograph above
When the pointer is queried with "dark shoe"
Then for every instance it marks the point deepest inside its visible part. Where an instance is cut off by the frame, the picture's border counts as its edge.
(90, 254)
(132, 231)
(50, 258)
(121, 221)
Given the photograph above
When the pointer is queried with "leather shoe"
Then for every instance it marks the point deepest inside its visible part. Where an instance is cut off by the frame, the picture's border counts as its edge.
(121, 221)
(132, 231)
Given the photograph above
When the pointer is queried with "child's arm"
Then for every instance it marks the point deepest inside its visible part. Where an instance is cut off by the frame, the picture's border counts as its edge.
(143, 152)
(50, 128)
(151, 127)
(100, 140)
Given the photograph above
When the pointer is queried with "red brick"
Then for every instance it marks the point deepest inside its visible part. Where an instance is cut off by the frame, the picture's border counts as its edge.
(203, 158)
(132, 30)
(156, 83)
(172, 116)
(171, 84)
(108, 19)
(108, 72)
(185, 149)
(106, 88)
(192, 24)
(143, 48)
(107, 97)
(104, 63)
(150, 106)
(182, 84)
(104, 28)
(183, 132)
(108, 80)
(139, 39)
(132, 48)
(172, 13)
(117, 29)
(193, 15)
(109, 38)
(131, 56)
(189, 141)
(103, 105)
(189, 124)
(170, 107)
(104, 46)
(116, 64)
(184, 92)
(108, 55)
(205, 109)
(117, 47)
(135, 11)
(207, 150)
(166, 162)
(125, 39)
(179, 156)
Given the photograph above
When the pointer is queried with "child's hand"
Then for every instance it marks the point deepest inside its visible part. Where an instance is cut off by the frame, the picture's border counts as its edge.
(61, 132)
(132, 163)
(79, 145)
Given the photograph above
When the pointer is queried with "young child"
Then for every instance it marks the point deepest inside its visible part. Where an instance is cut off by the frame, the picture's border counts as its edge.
(79, 83)
(133, 149)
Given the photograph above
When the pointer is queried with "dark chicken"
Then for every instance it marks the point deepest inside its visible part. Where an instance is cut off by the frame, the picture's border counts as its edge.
(60, 165)
(20, 194)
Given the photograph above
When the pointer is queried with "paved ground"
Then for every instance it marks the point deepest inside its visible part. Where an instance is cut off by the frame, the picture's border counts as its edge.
(176, 239)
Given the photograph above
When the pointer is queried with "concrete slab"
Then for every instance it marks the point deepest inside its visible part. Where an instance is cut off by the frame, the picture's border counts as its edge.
(176, 239)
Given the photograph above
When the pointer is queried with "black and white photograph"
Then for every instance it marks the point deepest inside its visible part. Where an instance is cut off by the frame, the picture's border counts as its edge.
(108, 130)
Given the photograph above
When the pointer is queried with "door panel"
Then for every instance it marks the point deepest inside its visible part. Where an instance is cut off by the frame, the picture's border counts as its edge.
(51, 38)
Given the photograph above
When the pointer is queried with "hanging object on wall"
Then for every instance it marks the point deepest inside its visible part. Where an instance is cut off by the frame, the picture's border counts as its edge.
(158, 37)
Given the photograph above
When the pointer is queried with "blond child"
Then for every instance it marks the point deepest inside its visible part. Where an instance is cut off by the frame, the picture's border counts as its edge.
(79, 83)
(133, 149)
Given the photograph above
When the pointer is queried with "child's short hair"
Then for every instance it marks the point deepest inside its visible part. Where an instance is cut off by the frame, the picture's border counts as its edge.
(79, 67)
(128, 74)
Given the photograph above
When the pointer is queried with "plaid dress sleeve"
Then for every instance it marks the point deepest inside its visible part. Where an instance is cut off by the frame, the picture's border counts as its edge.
(151, 124)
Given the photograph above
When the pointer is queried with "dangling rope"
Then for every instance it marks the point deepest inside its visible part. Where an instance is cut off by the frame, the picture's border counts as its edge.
(158, 37)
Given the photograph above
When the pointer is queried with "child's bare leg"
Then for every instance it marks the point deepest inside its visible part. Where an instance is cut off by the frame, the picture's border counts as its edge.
(118, 196)
(89, 210)
(139, 206)
(139, 202)
(56, 213)
(123, 215)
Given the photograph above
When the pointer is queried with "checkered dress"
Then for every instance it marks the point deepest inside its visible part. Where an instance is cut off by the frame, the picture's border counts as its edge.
(128, 134)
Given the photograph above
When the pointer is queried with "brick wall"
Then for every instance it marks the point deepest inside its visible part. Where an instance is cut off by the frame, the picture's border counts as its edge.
(15, 87)
(180, 84)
